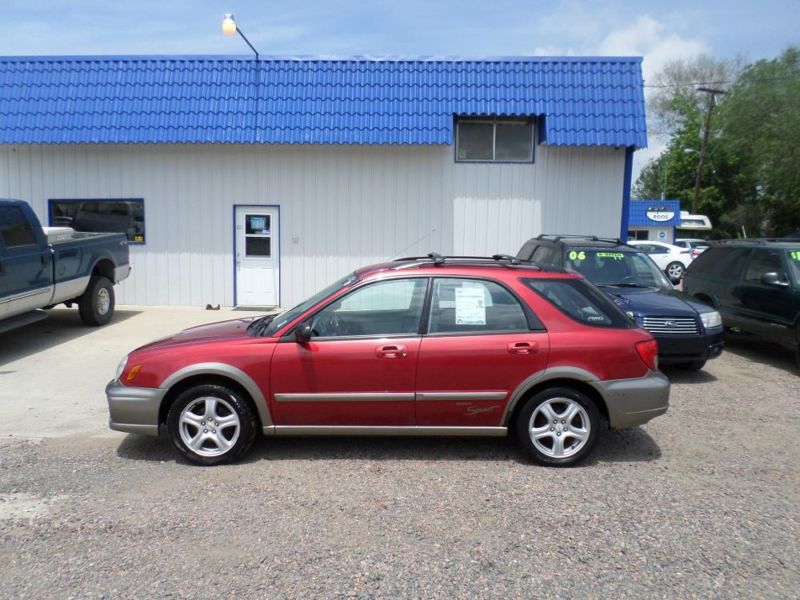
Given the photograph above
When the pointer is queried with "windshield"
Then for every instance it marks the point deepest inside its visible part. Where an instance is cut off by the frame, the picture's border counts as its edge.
(291, 314)
(610, 267)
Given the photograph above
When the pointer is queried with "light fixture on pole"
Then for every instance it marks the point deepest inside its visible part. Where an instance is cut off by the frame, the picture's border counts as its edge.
(230, 28)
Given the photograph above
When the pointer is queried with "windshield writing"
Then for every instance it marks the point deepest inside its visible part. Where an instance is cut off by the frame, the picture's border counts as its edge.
(603, 267)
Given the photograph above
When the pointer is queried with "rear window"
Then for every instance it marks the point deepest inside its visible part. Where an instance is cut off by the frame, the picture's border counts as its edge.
(582, 302)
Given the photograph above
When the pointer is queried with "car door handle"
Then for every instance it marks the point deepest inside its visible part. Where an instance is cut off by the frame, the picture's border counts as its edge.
(523, 347)
(392, 351)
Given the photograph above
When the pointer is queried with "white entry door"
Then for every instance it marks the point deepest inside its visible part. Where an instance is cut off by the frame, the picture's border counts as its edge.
(257, 256)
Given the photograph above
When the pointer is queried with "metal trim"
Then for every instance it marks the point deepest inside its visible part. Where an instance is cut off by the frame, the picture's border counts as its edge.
(384, 430)
(446, 396)
(352, 397)
(27, 294)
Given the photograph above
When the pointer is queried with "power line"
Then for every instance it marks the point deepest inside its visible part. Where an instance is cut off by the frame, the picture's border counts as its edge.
(722, 82)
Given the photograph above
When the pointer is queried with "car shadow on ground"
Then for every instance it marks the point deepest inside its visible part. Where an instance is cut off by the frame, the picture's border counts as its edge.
(630, 445)
(679, 375)
(59, 327)
(761, 352)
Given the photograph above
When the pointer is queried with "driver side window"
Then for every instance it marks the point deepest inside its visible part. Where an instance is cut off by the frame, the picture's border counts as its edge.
(383, 308)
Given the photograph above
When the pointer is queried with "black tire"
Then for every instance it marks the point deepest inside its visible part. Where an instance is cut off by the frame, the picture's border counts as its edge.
(210, 452)
(678, 268)
(694, 365)
(96, 306)
(553, 395)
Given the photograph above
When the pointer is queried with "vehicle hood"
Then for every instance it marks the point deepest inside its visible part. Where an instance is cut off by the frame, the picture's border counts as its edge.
(235, 328)
(655, 302)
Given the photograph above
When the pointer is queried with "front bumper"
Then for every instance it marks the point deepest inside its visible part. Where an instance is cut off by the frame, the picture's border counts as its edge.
(632, 402)
(678, 349)
(133, 409)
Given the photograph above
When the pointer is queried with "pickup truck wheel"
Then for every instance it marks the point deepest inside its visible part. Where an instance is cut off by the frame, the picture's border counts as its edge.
(558, 427)
(96, 306)
(674, 271)
(211, 425)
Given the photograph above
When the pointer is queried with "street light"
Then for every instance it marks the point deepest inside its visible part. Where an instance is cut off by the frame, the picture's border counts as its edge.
(230, 28)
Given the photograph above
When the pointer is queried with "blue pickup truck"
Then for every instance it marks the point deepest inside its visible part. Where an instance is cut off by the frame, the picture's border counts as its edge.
(41, 268)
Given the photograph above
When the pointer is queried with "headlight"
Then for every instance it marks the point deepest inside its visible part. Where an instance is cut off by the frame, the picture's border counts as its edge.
(121, 367)
(711, 319)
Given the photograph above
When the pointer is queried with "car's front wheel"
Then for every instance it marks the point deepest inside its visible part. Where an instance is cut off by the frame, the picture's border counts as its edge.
(674, 271)
(211, 424)
(558, 426)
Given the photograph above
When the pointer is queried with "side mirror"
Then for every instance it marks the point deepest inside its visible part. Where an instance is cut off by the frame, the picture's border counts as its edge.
(774, 279)
(303, 333)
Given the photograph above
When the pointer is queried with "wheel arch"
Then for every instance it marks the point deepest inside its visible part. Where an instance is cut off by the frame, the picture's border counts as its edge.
(104, 267)
(221, 374)
(571, 377)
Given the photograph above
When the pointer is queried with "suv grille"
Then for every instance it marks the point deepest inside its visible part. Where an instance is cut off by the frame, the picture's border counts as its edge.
(671, 325)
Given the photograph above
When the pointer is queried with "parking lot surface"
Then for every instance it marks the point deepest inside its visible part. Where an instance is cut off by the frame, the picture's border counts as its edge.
(700, 502)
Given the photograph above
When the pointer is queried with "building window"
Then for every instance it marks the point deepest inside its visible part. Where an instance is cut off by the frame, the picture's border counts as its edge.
(494, 140)
(124, 215)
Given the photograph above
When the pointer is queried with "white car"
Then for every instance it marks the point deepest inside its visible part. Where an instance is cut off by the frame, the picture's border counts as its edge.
(673, 260)
(696, 246)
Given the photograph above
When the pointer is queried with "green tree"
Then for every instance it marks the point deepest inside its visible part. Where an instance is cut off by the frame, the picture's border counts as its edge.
(760, 123)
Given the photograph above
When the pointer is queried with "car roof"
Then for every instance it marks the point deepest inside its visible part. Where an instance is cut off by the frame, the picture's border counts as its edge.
(581, 241)
(496, 267)
(781, 243)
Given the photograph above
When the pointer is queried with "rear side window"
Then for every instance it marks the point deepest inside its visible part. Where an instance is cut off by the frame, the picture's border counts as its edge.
(582, 302)
(708, 260)
(470, 305)
(526, 251)
(15, 229)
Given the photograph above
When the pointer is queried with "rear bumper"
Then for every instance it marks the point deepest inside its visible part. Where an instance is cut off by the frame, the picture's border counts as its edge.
(121, 273)
(677, 349)
(632, 402)
(133, 409)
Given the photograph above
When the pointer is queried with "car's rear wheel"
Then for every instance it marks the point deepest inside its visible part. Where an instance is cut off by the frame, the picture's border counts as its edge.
(674, 271)
(558, 426)
(96, 306)
(211, 424)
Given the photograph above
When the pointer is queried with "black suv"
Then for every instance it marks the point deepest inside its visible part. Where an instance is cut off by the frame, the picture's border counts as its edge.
(688, 332)
(755, 284)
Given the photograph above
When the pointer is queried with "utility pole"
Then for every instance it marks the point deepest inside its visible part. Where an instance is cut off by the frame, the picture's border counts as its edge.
(698, 181)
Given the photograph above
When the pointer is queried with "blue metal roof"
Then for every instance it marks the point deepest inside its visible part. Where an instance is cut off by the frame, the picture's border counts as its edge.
(639, 209)
(215, 99)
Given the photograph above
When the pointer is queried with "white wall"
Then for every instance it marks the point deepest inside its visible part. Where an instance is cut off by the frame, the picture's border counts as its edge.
(341, 207)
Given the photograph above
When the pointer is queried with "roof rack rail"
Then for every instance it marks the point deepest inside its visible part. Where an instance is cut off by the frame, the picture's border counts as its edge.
(439, 260)
(564, 236)
(762, 240)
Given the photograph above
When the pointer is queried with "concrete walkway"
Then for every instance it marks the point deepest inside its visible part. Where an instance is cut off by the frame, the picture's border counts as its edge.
(53, 373)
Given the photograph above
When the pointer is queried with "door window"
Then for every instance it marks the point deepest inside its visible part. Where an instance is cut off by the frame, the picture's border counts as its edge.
(763, 261)
(15, 228)
(258, 236)
(384, 308)
(469, 305)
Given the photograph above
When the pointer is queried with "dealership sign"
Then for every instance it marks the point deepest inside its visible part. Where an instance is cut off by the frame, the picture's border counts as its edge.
(660, 214)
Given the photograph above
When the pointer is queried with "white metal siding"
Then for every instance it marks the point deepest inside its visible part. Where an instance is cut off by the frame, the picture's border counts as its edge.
(341, 207)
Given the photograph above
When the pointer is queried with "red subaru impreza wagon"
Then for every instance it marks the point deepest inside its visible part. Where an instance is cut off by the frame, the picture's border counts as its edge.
(445, 346)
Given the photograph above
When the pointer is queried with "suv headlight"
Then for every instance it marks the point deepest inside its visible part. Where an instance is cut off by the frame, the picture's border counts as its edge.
(121, 367)
(711, 319)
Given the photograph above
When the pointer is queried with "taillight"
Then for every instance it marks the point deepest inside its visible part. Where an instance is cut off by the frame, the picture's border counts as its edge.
(648, 352)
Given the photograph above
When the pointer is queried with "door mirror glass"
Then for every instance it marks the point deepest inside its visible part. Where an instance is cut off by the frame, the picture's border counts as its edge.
(303, 333)
(774, 279)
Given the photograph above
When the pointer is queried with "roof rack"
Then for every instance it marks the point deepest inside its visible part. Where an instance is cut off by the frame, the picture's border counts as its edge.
(561, 236)
(438, 260)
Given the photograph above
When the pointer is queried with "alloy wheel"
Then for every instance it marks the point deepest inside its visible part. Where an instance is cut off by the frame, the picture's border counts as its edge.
(209, 426)
(559, 427)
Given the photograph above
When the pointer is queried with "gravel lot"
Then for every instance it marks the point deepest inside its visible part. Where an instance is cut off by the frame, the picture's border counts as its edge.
(700, 502)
